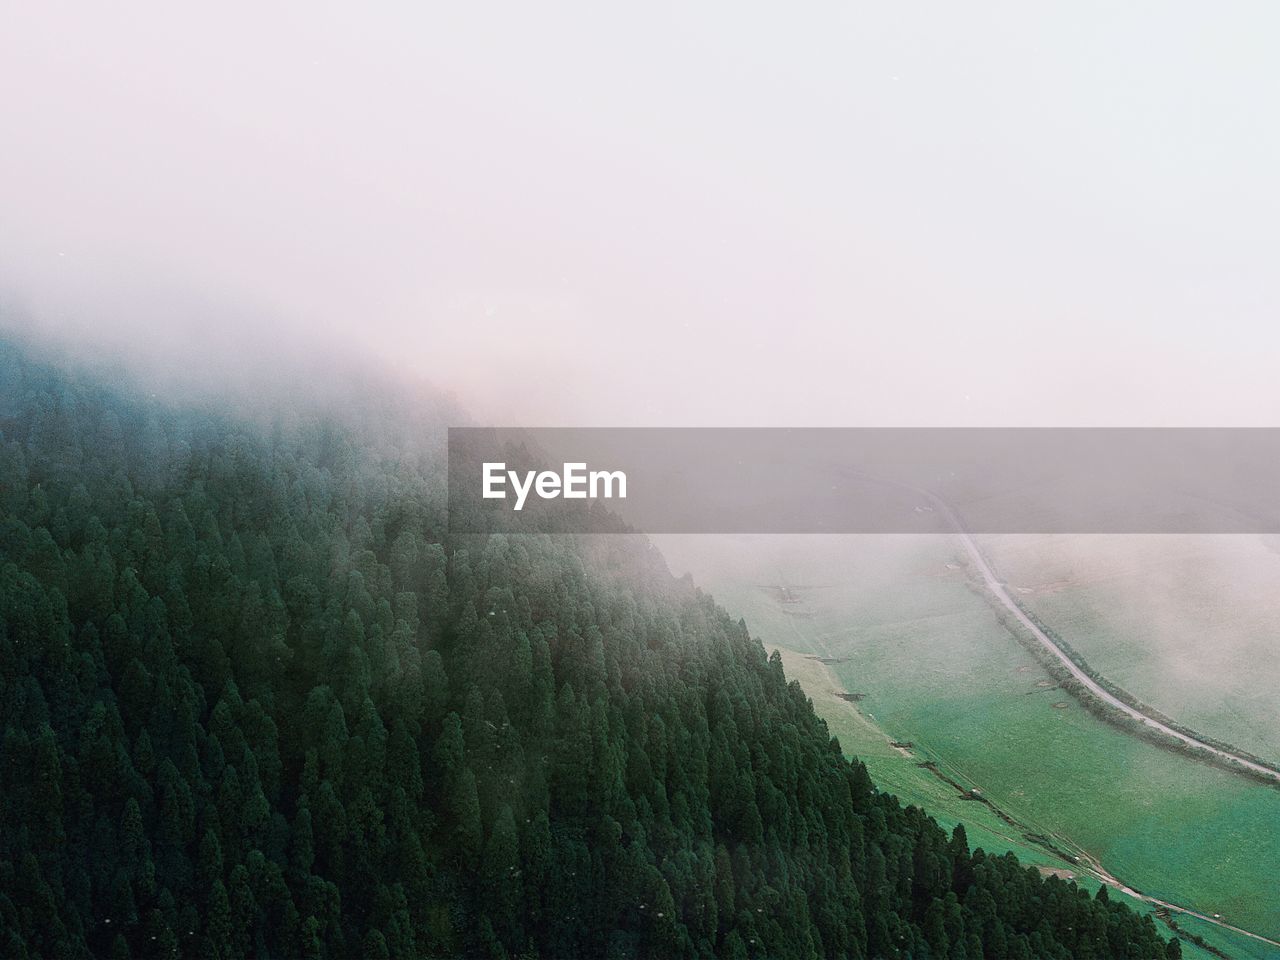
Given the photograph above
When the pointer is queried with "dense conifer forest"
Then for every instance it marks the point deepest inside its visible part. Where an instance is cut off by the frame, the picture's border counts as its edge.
(255, 702)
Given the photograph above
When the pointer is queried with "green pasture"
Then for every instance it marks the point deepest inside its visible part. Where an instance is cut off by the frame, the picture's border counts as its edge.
(938, 670)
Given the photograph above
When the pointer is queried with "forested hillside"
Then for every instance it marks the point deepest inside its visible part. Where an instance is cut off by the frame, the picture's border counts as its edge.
(255, 703)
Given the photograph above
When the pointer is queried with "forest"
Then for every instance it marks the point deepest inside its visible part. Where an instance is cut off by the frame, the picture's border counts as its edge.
(256, 701)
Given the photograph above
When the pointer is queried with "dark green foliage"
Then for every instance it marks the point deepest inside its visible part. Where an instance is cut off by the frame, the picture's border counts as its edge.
(253, 704)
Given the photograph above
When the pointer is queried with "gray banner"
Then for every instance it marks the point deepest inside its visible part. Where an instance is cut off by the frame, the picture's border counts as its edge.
(865, 480)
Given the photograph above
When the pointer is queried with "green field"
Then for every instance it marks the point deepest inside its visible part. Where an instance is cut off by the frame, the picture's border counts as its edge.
(940, 671)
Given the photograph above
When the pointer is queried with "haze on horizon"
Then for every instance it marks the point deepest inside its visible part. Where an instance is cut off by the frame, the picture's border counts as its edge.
(846, 214)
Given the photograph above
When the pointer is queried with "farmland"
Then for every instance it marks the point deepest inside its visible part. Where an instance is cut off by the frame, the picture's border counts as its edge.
(900, 623)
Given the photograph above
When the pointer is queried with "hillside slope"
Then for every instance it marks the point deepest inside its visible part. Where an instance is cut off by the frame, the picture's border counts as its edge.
(255, 703)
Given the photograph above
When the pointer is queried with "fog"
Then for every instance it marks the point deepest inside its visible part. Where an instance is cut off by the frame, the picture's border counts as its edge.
(734, 215)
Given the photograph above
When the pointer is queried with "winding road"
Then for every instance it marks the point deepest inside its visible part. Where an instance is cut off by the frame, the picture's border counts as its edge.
(998, 590)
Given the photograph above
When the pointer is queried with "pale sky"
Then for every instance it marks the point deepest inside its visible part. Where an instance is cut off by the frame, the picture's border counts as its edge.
(781, 214)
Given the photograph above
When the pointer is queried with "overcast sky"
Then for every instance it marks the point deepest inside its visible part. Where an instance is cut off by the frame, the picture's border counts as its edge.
(802, 214)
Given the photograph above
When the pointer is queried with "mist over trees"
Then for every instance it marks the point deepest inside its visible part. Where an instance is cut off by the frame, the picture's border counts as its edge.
(254, 702)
